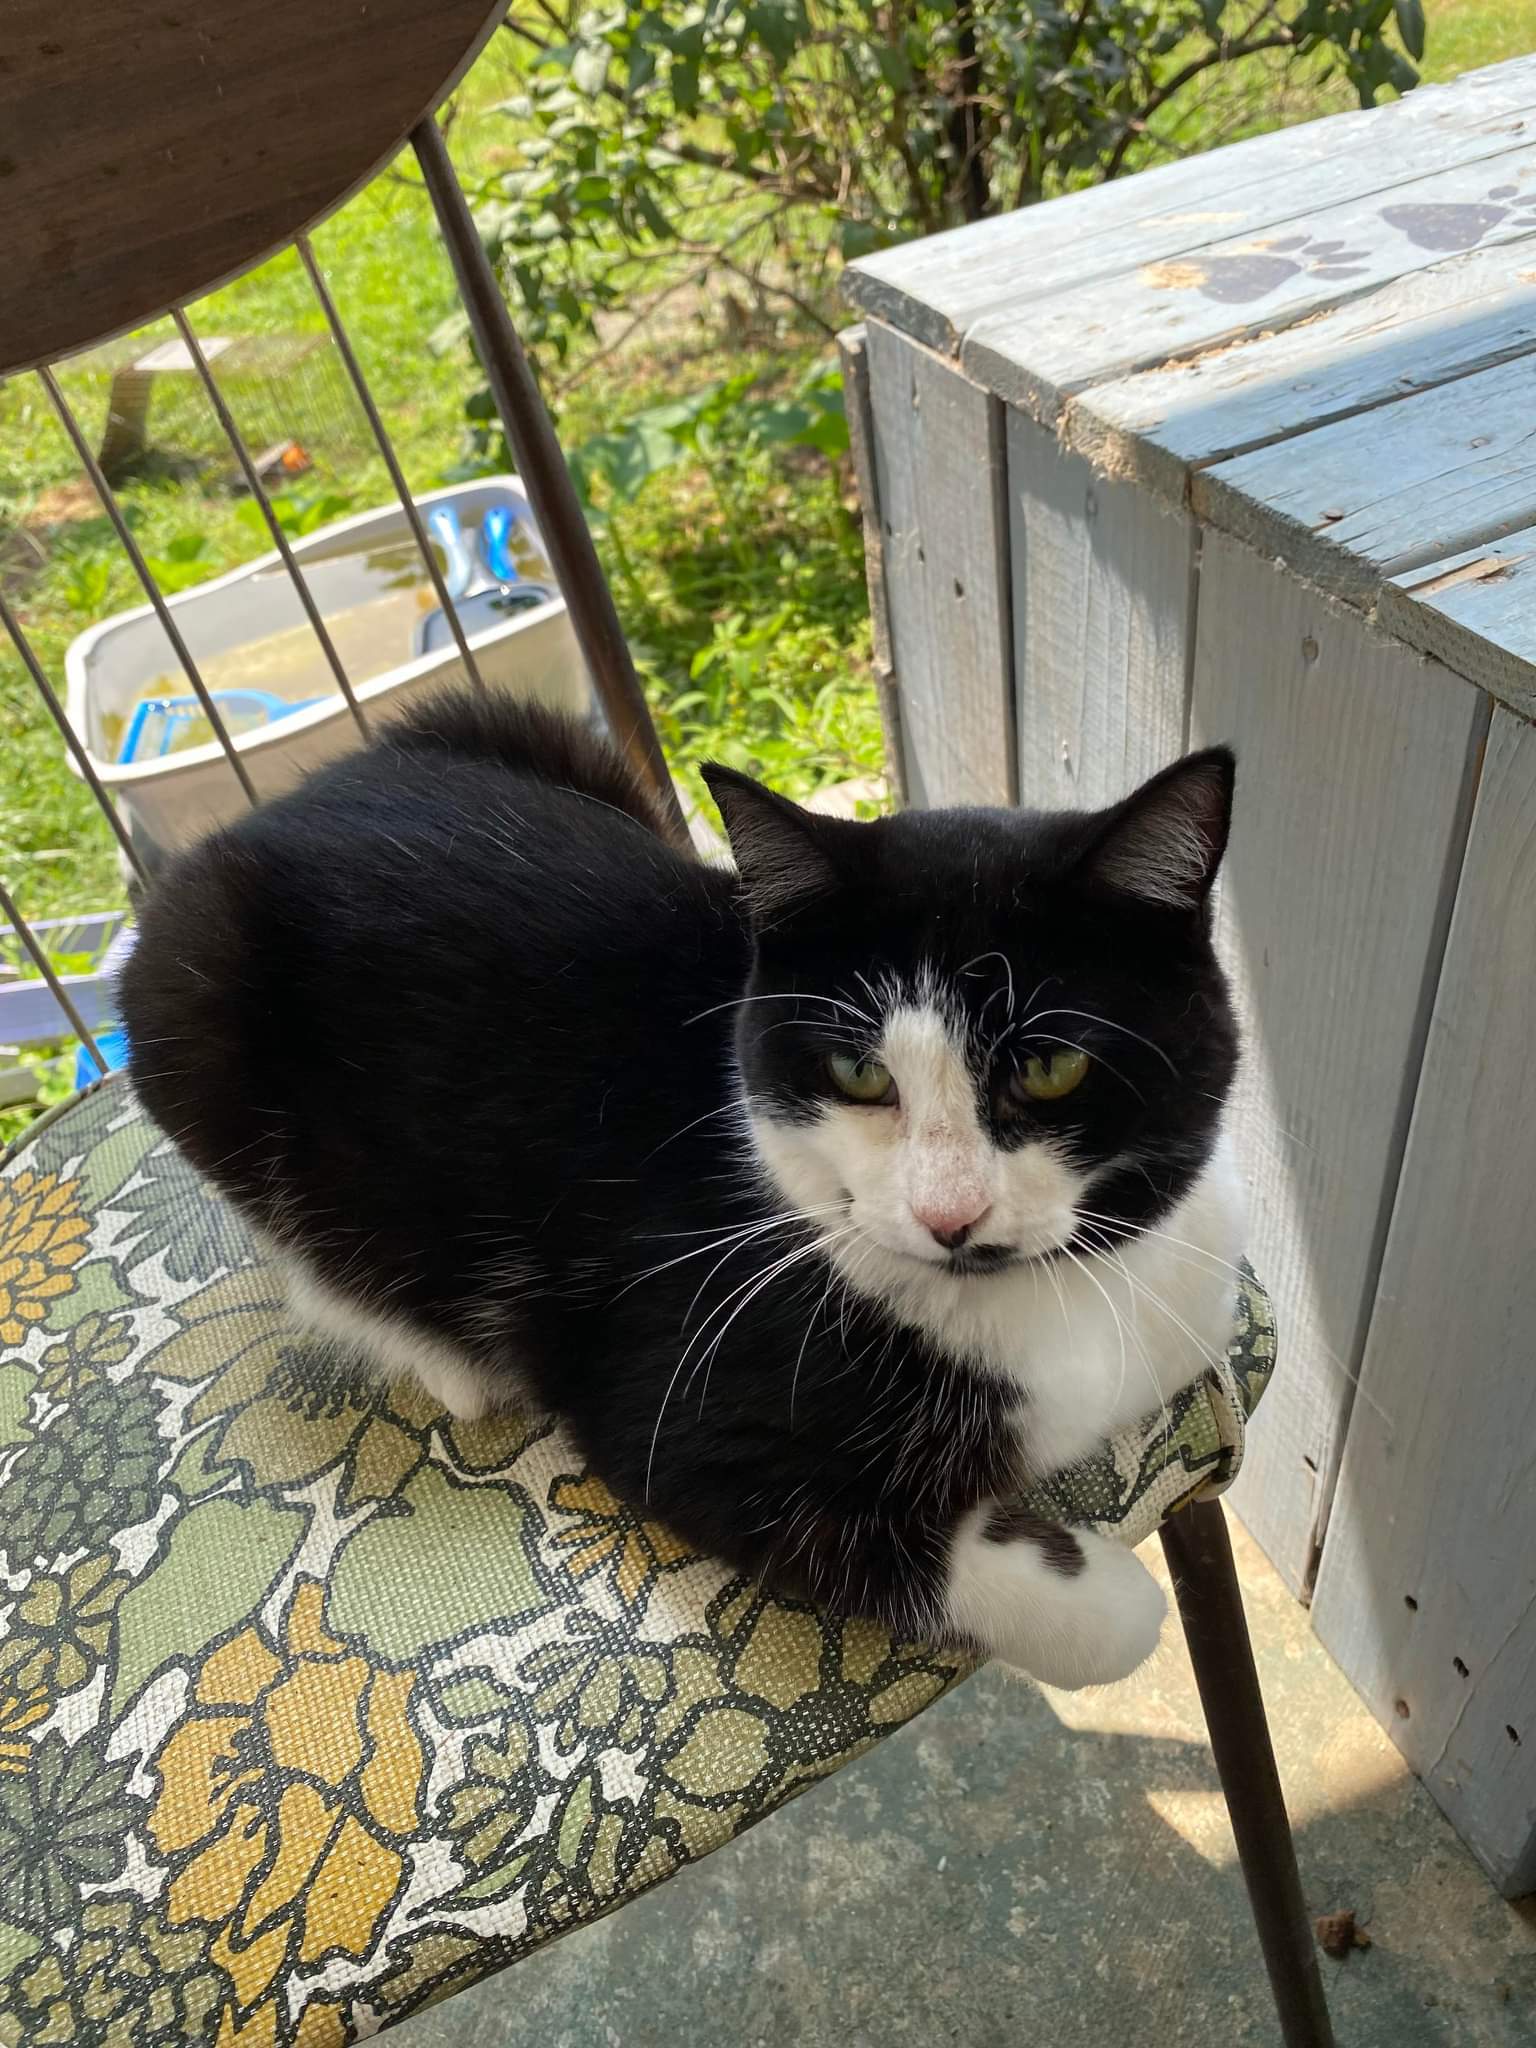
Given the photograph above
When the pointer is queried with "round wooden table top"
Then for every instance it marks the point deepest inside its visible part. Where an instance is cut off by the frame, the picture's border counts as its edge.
(151, 149)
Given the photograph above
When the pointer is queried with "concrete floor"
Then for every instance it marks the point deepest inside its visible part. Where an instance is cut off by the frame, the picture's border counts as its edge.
(1027, 1870)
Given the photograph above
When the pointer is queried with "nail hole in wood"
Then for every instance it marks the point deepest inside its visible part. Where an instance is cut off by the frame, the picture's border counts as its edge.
(1410, 1603)
(1461, 1669)
(921, 556)
(1309, 650)
(959, 588)
(1513, 1734)
(1400, 1708)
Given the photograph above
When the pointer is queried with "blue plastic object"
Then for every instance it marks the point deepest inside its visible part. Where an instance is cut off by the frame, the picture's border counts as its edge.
(247, 707)
(113, 1044)
(459, 568)
(496, 530)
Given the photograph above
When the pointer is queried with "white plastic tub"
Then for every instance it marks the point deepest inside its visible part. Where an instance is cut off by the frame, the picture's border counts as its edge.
(174, 799)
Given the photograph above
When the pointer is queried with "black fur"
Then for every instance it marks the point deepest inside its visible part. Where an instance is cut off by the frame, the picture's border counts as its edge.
(455, 1021)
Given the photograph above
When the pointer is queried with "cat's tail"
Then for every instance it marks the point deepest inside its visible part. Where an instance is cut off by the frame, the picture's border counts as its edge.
(484, 725)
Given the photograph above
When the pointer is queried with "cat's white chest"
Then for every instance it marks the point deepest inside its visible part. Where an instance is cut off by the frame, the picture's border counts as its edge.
(1095, 1343)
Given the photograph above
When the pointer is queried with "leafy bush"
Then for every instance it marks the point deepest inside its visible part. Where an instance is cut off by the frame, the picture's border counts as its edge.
(756, 138)
(726, 522)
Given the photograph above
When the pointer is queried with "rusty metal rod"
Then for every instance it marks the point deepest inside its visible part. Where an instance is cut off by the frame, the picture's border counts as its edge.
(142, 570)
(545, 477)
(71, 738)
(386, 449)
(1199, 1553)
(258, 491)
(45, 968)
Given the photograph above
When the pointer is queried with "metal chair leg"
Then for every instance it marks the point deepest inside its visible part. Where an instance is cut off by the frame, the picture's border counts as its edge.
(1199, 1554)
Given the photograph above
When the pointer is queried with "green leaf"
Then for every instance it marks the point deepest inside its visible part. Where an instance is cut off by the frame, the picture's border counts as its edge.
(113, 1163)
(496, 1883)
(891, 61)
(472, 1696)
(16, 1384)
(96, 1289)
(779, 25)
(468, 1543)
(191, 1474)
(858, 238)
(629, 460)
(589, 69)
(223, 1559)
(654, 218)
(685, 85)
(15, 1947)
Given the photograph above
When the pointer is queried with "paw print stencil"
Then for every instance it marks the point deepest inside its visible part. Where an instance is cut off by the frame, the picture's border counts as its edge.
(1256, 269)
(1448, 226)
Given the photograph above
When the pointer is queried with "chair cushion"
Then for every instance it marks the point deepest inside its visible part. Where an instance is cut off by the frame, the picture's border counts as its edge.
(316, 1704)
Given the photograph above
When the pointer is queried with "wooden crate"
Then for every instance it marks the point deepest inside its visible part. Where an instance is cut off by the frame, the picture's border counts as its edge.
(1245, 448)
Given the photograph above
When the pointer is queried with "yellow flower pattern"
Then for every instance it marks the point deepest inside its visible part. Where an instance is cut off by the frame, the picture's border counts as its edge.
(43, 1237)
(285, 1797)
(609, 1536)
(359, 1703)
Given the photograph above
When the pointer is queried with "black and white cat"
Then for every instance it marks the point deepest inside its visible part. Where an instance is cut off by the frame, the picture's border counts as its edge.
(824, 1203)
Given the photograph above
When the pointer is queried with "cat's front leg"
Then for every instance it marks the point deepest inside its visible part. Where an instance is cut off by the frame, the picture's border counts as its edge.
(1069, 1607)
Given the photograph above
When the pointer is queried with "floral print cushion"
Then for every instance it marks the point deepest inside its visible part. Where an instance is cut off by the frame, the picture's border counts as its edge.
(316, 1704)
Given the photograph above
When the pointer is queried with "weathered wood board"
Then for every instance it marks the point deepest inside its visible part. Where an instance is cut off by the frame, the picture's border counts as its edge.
(938, 289)
(1427, 1594)
(853, 354)
(1428, 328)
(166, 191)
(1315, 256)
(1476, 612)
(1355, 765)
(941, 484)
(1385, 492)
(1271, 450)
(1103, 595)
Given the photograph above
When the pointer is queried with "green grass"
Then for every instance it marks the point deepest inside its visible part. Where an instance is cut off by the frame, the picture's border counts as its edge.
(1464, 35)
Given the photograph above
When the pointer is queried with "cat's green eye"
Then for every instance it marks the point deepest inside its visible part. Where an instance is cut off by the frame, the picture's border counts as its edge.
(1050, 1079)
(861, 1080)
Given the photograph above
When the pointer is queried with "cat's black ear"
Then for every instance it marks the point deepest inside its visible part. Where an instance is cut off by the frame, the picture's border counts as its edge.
(1164, 843)
(780, 850)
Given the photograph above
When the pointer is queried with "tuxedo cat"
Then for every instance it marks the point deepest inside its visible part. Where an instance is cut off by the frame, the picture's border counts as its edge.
(824, 1202)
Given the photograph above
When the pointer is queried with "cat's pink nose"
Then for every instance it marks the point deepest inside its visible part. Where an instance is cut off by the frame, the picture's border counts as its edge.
(951, 1222)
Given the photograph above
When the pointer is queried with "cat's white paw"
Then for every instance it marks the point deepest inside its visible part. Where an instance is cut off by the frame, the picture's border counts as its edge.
(1070, 1617)
(1117, 1610)
(459, 1388)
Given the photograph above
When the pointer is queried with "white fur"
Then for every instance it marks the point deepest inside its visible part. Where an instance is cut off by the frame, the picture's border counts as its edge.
(388, 1344)
(1087, 1628)
(1090, 1341)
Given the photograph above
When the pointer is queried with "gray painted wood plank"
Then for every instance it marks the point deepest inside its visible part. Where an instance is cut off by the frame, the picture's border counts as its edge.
(1436, 1501)
(853, 353)
(1386, 492)
(941, 483)
(1411, 334)
(1476, 612)
(939, 288)
(1318, 254)
(1103, 601)
(1354, 773)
